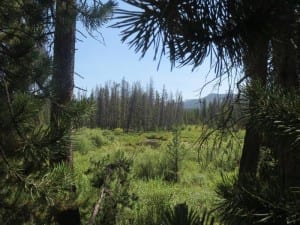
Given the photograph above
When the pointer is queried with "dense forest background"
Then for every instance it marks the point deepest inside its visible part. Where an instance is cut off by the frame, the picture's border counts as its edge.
(131, 107)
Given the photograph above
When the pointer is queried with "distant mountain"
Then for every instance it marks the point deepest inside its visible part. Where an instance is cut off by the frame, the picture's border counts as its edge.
(191, 103)
(196, 103)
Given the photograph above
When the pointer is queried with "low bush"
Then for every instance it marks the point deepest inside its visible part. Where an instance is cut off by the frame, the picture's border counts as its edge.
(89, 139)
(82, 144)
(118, 131)
(181, 214)
(98, 140)
(149, 165)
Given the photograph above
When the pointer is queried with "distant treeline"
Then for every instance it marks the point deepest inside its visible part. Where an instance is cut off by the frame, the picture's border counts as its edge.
(132, 107)
(222, 110)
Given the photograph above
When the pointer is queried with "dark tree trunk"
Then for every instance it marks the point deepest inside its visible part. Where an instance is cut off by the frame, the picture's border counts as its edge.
(63, 84)
(297, 34)
(286, 47)
(250, 153)
(255, 62)
(63, 74)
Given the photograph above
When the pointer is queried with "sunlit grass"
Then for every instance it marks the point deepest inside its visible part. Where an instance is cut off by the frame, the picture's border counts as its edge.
(200, 169)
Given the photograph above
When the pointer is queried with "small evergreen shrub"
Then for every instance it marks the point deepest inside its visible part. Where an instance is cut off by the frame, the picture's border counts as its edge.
(174, 155)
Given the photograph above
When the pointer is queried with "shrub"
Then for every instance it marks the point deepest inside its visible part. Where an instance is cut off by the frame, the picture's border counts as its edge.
(118, 131)
(110, 177)
(257, 201)
(89, 139)
(149, 165)
(182, 215)
(82, 144)
(174, 156)
(98, 140)
(163, 163)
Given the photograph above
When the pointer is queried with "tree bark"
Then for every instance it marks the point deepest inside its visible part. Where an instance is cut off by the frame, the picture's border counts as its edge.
(63, 74)
(250, 153)
(287, 70)
(255, 63)
(62, 89)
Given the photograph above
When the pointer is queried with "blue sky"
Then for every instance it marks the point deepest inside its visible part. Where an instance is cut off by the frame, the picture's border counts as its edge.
(99, 61)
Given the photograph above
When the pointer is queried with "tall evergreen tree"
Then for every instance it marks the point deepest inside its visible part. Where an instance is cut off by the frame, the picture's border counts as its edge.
(124, 102)
(63, 75)
(63, 71)
(24, 141)
(27, 29)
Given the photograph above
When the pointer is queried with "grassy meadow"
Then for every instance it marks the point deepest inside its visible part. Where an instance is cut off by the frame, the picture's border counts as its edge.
(164, 170)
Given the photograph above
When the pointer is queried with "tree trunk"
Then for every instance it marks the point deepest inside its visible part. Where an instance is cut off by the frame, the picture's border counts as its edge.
(250, 153)
(255, 63)
(287, 70)
(63, 84)
(297, 31)
(63, 71)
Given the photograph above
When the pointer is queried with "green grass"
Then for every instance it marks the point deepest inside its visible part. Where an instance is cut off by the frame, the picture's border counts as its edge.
(200, 169)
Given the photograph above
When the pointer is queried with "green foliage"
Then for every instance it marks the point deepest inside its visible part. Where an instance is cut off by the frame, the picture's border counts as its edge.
(260, 199)
(22, 198)
(36, 183)
(118, 131)
(182, 215)
(271, 196)
(257, 202)
(191, 30)
(157, 136)
(162, 162)
(86, 140)
(150, 164)
(84, 109)
(276, 112)
(219, 150)
(132, 108)
(154, 197)
(148, 174)
(96, 15)
(32, 183)
(174, 155)
(111, 176)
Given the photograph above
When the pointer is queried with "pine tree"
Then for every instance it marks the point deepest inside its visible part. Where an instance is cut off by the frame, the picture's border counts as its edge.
(35, 154)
